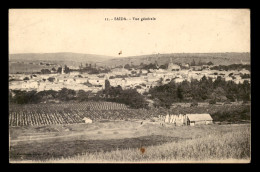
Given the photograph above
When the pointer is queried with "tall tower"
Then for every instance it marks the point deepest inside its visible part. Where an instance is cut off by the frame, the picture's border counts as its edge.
(62, 70)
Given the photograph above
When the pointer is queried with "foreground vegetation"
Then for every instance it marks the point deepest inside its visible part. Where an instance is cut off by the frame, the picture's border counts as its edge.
(233, 145)
(199, 143)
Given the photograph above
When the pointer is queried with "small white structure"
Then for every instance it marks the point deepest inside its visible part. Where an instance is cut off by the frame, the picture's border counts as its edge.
(87, 120)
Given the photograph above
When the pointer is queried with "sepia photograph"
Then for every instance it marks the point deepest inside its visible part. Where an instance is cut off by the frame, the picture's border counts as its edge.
(129, 86)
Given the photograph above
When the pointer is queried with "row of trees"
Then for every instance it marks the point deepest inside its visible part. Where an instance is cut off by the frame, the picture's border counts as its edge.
(92, 69)
(232, 67)
(59, 70)
(27, 97)
(164, 95)
(112, 94)
(164, 66)
(203, 90)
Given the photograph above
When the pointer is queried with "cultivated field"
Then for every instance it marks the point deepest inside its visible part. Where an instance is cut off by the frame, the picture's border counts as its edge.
(57, 133)
(69, 113)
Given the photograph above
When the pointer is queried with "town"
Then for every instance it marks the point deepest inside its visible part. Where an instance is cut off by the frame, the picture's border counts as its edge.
(140, 79)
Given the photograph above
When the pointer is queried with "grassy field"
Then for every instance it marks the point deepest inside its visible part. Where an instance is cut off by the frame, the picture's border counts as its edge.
(129, 141)
(229, 146)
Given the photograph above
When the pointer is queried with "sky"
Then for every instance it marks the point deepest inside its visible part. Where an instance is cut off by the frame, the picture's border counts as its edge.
(87, 31)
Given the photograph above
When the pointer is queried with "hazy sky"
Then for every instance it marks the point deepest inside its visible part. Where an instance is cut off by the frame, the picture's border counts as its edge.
(86, 31)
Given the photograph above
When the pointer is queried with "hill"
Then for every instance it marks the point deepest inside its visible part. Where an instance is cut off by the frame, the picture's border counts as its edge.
(55, 57)
(216, 58)
(75, 59)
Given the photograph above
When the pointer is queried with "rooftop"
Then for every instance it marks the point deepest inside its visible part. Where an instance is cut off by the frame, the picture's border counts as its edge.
(199, 117)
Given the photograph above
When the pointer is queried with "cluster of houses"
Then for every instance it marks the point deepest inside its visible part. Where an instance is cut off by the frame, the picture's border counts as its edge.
(140, 79)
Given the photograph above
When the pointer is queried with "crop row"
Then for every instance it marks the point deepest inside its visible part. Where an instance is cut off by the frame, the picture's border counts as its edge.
(68, 113)
(64, 106)
(24, 118)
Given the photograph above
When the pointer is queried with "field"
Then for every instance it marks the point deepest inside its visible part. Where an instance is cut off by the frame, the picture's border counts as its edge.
(69, 113)
(57, 133)
(129, 141)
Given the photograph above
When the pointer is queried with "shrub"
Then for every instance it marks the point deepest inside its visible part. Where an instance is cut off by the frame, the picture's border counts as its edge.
(26, 78)
(194, 104)
(212, 101)
(51, 79)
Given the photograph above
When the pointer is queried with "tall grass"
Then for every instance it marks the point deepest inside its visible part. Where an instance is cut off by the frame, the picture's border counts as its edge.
(215, 146)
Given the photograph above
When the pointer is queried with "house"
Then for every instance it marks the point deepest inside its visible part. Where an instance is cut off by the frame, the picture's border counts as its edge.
(120, 71)
(97, 81)
(178, 80)
(196, 68)
(173, 67)
(198, 119)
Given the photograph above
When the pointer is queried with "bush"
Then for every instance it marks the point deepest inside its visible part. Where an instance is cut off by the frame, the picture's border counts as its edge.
(26, 78)
(23, 97)
(233, 115)
(194, 104)
(45, 71)
(51, 79)
(82, 95)
(66, 94)
(212, 101)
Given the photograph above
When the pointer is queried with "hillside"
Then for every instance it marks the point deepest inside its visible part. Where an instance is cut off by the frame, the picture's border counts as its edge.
(76, 59)
(216, 58)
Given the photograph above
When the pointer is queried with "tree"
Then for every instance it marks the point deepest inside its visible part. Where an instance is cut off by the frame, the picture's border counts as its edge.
(66, 94)
(160, 81)
(59, 70)
(193, 63)
(163, 67)
(82, 95)
(26, 78)
(127, 66)
(24, 97)
(107, 84)
(66, 69)
(194, 103)
(180, 93)
(45, 71)
(210, 63)
(200, 63)
(212, 101)
(51, 79)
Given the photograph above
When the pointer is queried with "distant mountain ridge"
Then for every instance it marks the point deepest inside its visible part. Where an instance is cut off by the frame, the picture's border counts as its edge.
(61, 56)
(217, 58)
